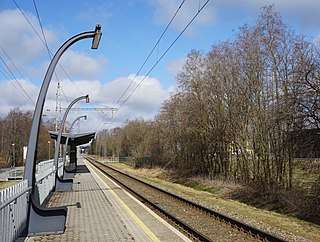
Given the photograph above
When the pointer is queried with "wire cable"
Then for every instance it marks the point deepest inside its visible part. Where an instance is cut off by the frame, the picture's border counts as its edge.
(156, 44)
(145, 61)
(31, 88)
(151, 69)
(17, 81)
(50, 55)
(44, 43)
(161, 57)
(43, 35)
(26, 18)
(5, 73)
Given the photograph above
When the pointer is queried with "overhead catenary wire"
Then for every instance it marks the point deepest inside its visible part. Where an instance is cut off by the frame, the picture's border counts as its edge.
(48, 50)
(44, 41)
(5, 73)
(122, 102)
(21, 75)
(8, 76)
(63, 93)
(145, 61)
(50, 55)
(164, 53)
(33, 28)
(43, 35)
(17, 81)
(150, 53)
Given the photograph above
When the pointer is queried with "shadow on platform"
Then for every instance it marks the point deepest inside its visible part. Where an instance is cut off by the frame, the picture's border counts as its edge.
(82, 169)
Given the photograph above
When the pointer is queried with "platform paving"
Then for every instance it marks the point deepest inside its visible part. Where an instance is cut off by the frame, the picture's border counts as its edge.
(99, 210)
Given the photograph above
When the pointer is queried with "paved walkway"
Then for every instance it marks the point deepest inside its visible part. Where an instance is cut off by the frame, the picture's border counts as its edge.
(99, 210)
(13, 173)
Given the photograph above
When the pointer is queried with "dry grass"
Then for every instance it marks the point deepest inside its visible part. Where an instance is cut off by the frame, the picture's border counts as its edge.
(4, 184)
(219, 199)
(3, 163)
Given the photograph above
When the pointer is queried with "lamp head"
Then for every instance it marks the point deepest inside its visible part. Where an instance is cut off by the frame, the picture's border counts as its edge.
(97, 37)
(87, 99)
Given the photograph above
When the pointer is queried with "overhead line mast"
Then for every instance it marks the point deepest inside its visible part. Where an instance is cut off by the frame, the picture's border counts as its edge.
(58, 108)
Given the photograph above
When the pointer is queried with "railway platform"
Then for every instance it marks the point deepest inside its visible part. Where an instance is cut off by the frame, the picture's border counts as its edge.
(100, 210)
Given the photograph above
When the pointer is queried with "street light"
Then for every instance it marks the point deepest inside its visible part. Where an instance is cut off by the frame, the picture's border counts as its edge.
(67, 140)
(97, 37)
(49, 149)
(56, 151)
(50, 221)
(13, 156)
(105, 149)
(34, 134)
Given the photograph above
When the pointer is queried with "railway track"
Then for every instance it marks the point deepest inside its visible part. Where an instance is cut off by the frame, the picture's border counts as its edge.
(200, 223)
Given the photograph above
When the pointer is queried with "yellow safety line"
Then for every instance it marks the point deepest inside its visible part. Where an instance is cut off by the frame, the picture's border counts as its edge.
(131, 213)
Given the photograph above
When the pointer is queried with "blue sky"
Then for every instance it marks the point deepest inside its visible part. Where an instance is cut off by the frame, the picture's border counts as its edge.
(130, 30)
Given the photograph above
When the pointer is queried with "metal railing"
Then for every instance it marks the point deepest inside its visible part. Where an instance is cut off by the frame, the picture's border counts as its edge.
(45, 178)
(13, 210)
(14, 200)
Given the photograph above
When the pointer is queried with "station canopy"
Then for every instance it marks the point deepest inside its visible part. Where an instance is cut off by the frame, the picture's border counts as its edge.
(77, 139)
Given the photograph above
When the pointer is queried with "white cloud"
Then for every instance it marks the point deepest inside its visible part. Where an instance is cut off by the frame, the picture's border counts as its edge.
(81, 65)
(23, 46)
(144, 102)
(18, 39)
(12, 96)
(29, 54)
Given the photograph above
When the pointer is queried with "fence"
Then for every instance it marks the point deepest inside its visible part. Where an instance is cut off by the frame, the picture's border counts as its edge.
(13, 210)
(45, 178)
(14, 200)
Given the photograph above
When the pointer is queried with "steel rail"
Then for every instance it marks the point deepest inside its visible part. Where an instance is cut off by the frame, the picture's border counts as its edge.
(196, 234)
(240, 225)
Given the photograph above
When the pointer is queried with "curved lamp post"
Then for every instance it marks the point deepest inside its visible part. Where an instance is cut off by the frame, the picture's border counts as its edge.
(67, 140)
(61, 184)
(40, 219)
(49, 143)
(13, 155)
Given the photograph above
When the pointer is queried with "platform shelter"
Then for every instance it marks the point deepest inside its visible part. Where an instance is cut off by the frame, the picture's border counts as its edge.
(74, 141)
